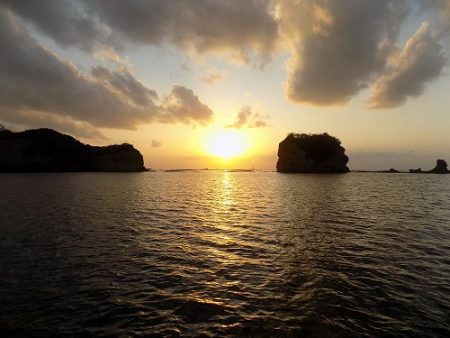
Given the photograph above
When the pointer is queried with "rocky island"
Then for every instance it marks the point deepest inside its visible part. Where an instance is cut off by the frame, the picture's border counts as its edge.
(46, 150)
(311, 153)
(440, 168)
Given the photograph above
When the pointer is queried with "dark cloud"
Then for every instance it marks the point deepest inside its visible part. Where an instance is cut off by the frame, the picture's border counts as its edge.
(23, 119)
(443, 20)
(241, 29)
(66, 21)
(238, 28)
(341, 47)
(247, 118)
(156, 144)
(35, 80)
(125, 84)
(409, 70)
(183, 105)
(337, 46)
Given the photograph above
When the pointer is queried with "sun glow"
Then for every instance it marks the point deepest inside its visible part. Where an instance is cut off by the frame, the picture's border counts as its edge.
(226, 144)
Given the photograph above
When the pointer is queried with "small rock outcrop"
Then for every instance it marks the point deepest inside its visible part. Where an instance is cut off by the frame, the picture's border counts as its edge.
(45, 150)
(440, 168)
(314, 153)
(390, 171)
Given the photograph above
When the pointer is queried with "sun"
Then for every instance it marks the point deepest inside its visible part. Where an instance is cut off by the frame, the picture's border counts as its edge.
(226, 144)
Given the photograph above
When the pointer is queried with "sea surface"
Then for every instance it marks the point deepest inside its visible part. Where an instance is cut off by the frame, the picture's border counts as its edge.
(213, 253)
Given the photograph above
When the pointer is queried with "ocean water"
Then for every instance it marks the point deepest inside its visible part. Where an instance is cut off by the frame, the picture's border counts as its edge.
(211, 253)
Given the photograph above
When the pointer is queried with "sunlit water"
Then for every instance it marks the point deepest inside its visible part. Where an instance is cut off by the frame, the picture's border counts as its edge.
(225, 254)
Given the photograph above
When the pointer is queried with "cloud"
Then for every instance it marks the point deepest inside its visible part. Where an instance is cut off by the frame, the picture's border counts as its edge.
(212, 77)
(124, 83)
(107, 53)
(337, 46)
(442, 21)
(184, 106)
(37, 81)
(247, 118)
(237, 28)
(33, 119)
(409, 70)
(240, 29)
(156, 144)
(66, 21)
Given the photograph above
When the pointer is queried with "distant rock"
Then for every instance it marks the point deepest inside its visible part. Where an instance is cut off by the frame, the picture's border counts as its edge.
(390, 171)
(314, 153)
(45, 150)
(440, 168)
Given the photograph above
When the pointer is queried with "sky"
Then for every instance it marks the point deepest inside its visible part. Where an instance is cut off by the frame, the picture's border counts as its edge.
(219, 83)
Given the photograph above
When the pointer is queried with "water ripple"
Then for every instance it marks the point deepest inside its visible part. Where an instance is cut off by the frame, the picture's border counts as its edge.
(225, 254)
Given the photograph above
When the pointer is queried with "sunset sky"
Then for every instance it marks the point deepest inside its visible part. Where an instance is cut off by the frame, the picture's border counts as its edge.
(178, 78)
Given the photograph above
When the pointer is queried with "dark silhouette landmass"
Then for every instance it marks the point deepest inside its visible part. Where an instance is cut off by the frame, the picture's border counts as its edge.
(45, 150)
(311, 153)
(389, 171)
(440, 168)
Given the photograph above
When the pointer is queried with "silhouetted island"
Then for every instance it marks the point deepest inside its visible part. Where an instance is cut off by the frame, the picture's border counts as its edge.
(311, 153)
(440, 168)
(45, 150)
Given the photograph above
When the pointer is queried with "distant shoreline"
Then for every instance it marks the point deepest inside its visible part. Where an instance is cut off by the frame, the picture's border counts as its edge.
(214, 170)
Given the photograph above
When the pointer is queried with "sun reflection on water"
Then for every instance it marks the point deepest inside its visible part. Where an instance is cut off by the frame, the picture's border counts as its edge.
(224, 232)
(227, 188)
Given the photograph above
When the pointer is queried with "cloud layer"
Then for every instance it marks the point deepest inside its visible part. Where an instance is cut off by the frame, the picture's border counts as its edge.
(337, 48)
(241, 29)
(37, 86)
(409, 70)
(340, 47)
(65, 21)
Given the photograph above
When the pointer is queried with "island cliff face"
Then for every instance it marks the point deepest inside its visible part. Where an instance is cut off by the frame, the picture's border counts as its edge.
(315, 153)
(45, 150)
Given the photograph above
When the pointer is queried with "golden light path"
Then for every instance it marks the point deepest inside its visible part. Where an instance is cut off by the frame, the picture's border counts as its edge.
(226, 144)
